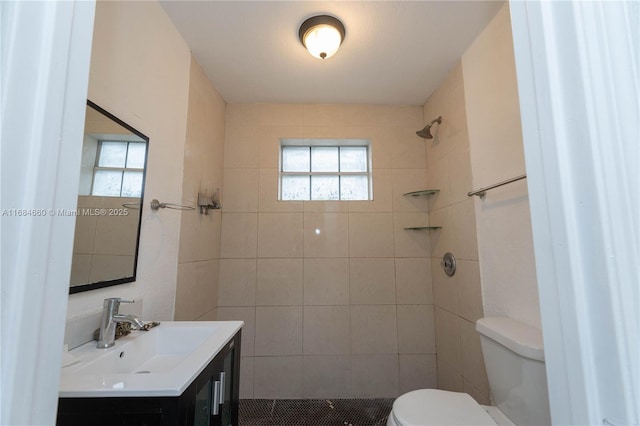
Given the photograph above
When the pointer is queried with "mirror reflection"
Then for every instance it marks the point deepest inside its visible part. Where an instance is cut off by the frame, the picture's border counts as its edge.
(112, 173)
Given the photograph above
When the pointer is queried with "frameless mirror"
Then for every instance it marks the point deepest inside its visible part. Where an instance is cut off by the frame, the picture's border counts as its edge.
(112, 174)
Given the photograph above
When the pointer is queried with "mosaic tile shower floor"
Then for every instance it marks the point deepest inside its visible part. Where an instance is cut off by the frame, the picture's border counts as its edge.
(308, 412)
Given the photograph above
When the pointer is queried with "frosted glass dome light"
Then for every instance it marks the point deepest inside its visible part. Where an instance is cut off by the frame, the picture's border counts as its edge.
(322, 35)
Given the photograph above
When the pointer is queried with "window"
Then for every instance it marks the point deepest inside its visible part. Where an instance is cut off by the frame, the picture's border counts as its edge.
(119, 169)
(325, 170)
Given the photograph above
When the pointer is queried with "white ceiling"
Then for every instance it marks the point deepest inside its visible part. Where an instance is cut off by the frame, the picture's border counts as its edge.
(394, 52)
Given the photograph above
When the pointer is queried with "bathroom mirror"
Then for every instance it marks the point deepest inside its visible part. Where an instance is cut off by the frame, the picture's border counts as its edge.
(110, 200)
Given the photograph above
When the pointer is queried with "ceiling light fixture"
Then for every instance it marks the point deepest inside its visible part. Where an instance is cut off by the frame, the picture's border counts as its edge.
(322, 35)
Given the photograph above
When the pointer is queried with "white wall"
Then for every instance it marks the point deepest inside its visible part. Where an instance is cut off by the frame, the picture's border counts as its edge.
(140, 73)
(505, 242)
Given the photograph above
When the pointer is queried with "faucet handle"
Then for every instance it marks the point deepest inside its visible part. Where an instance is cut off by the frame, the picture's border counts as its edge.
(112, 304)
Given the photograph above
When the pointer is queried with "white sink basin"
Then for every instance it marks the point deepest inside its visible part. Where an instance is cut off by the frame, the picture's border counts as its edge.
(160, 362)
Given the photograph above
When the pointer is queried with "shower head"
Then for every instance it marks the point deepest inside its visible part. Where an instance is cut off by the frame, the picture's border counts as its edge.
(426, 132)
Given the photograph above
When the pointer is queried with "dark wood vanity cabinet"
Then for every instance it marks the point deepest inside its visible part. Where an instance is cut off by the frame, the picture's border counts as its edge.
(210, 400)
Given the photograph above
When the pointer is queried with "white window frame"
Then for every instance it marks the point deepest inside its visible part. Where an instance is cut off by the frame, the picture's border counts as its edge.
(329, 143)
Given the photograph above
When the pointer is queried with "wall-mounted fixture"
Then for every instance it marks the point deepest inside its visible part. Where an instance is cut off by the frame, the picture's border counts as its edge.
(156, 205)
(207, 203)
(448, 263)
(322, 35)
(426, 132)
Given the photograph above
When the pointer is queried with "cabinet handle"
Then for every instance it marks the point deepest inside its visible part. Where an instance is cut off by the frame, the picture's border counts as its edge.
(221, 387)
(215, 405)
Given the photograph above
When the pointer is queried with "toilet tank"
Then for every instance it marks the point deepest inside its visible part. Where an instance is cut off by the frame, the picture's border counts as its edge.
(514, 359)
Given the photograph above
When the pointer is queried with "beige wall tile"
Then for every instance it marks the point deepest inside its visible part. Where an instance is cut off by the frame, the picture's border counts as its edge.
(237, 282)
(372, 281)
(209, 229)
(281, 114)
(277, 377)
(366, 115)
(206, 296)
(371, 235)
(241, 145)
(460, 181)
(248, 315)
(413, 281)
(279, 282)
(480, 395)
(240, 190)
(246, 377)
(473, 368)
(326, 206)
(326, 330)
(105, 267)
(410, 116)
(81, 269)
(85, 232)
(410, 180)
(418, 372)
(185, 289)
(278, 331)
(242, 113)
(416, 329)
(239, 238)
(196, 290)
(411, 242)
(211, 315)
(449, 378)
(448, 339)
(324, 115)
(375, 376)
(280, 235)
(469, 290)
(445, 288)
(189, 237)
(438, 178)
(464, 237)
(326, 235)
(326, 376)
(408, 149)
(326, 281)
(381, 146)
(374, 329)
(114, 235)
(440, 240)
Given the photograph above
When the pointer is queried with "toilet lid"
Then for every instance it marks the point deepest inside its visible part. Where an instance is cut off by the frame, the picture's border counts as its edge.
(426, 407)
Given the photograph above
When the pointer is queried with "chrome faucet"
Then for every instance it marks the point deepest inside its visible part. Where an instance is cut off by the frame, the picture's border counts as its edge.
(110, 318)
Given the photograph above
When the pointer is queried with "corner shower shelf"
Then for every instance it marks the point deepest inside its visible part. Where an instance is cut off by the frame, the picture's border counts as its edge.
(424, 192)
(418, 228)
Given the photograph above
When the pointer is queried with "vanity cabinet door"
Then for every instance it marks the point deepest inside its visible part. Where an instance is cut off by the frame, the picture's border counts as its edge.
(218, 389)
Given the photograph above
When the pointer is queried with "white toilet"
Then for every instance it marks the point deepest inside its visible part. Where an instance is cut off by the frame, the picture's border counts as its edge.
(514, 359)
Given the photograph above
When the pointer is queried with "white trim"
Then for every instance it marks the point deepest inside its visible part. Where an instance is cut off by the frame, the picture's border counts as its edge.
(577, 67)
(46, 48)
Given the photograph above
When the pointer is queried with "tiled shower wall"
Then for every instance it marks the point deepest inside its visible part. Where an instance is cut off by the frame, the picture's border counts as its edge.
(457, 299)
(336, 296)
(199, 250)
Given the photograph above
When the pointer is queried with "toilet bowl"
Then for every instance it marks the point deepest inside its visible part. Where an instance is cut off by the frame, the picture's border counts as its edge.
(426, 407)
(514, 360)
